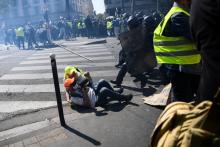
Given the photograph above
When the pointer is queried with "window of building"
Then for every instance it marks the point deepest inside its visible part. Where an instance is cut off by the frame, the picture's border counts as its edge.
(25, 2)
(13, 3)
(36, 1)
(108, 2)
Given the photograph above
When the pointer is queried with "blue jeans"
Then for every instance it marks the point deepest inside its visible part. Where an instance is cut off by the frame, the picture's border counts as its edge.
(104, 90)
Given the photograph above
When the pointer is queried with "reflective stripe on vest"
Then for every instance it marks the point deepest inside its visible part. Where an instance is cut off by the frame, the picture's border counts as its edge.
(174, 50)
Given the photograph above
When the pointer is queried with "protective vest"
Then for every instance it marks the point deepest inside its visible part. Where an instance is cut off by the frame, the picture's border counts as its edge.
(69, 23)
(109, 24)
(83, 25)
(19, 32)
(174, 50)
(75, 69)
(79, 25)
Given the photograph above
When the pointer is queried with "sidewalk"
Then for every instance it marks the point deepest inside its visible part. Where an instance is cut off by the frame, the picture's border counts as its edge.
(131, 126)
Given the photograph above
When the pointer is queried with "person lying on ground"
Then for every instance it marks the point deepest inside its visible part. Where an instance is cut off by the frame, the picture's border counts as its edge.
(83, 95)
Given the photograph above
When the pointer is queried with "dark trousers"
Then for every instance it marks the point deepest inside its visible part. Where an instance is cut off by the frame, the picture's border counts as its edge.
(121, 57)
(184, 85)
(104, 90)
(20, 40)
(122, 72)
(205, 15)
(31, 41)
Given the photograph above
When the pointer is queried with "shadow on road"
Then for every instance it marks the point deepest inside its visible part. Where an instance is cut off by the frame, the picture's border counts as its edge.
(84, 136)
(113, 106)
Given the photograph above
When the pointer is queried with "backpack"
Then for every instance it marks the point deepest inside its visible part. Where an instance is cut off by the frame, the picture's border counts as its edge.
(186, 125)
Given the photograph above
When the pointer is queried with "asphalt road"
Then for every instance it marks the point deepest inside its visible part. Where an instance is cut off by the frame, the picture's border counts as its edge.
(26, 83)
(26, 74)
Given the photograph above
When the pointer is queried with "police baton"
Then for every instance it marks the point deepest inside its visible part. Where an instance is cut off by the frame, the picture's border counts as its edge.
(57, 89)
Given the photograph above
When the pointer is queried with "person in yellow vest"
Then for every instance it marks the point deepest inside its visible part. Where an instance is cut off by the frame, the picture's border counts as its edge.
(69, 29)
(83, 29)
(20, 36)
(176, 52)
(109, 27)
(79, 27)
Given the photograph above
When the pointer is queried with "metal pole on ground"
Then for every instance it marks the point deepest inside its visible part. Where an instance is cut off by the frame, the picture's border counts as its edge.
(57, 89)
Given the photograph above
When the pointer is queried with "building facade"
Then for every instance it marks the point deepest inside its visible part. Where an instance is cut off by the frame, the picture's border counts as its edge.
(125, 6)
(87, 7)
(22, 11)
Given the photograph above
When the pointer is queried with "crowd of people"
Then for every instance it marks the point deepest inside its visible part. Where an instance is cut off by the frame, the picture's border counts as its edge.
(180, 60)
(44, 32)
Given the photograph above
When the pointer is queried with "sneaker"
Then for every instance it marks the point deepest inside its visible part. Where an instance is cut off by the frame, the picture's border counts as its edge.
(118, 66)
(115, 82)
(120, 90)
(136, 80)
(128, 97)
(143, 84)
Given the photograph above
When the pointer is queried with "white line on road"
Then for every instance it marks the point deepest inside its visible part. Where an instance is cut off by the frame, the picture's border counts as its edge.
(77, 51)
(48, 67)
(29, 88)
(68, 60)
(13, 106)
(67, 54)
(71, 48)
(4, 135)
(3, 57)
(105, 73)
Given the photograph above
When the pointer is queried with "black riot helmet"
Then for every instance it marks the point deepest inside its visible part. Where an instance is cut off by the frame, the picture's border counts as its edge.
(133, 22)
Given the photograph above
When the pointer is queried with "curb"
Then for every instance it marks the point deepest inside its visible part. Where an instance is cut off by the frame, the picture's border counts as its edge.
(96, 42)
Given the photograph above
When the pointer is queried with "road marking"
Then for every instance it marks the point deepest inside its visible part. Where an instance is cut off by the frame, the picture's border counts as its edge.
(105, 73)
(77, 51)
(29, 88)
(67, 54)
(13, 106)
(88, 46)
(4, 135)
(3, 57)
(68, 60)
(48, 67)
(73, 49)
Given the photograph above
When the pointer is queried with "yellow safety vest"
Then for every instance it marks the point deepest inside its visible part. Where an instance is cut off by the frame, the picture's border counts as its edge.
(79, 25)
(83, 25)
(75, 69)
(109, 24)
(69, 23)
(174, 50)
(19, 32)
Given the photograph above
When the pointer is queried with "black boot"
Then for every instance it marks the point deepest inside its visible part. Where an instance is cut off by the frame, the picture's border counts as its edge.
(116, 83)
(128, 97)
(120, 90)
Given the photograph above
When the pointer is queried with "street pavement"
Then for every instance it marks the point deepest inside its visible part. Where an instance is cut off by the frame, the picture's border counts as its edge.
(27, 97)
